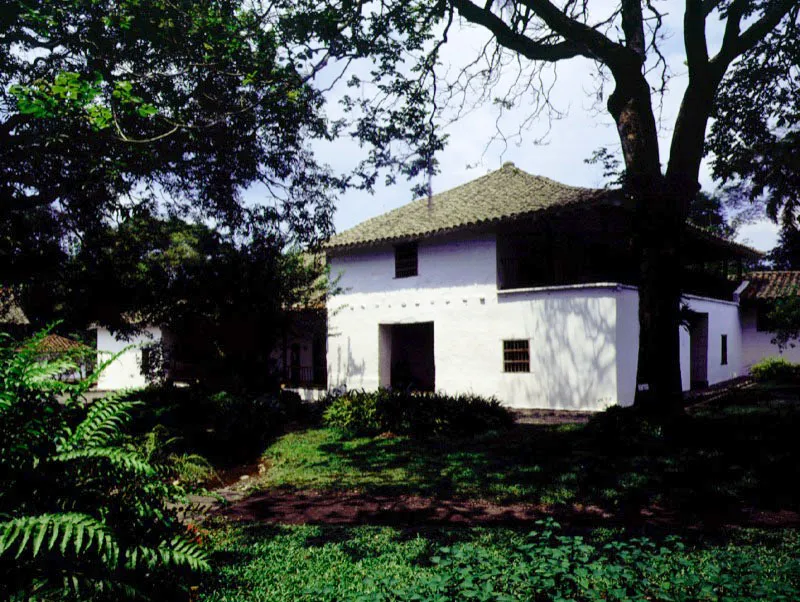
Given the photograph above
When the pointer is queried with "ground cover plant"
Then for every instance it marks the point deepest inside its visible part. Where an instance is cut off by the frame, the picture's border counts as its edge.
(82, 515)
(416, 414)
(316, 563)
(737, 453)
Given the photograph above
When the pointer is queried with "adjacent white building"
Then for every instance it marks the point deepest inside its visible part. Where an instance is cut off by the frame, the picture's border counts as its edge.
(519, 287)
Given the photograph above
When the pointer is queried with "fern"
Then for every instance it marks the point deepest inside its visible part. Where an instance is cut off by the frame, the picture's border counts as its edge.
(103, 423)
(82, 514)
(64, 532)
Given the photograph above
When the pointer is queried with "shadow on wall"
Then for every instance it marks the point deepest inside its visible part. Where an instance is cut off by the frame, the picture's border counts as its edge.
(346, 368)
(573, 354)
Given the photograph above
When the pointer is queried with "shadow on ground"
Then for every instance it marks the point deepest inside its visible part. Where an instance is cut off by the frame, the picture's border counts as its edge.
(731, 462)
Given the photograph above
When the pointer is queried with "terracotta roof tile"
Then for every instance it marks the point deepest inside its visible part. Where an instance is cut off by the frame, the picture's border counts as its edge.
(771, 284)
(503, 195)
(54, 343)
(500, 195)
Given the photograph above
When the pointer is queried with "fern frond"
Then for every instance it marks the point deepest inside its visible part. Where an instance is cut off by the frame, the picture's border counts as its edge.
(102, 424)
(80, 532)
(123, 459)
(86, 383)
(177, 552)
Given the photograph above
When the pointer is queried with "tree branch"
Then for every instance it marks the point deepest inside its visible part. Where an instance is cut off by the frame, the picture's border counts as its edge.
(508, 38)
(735, 44)
(694, 37)
(598, 45)
(633, 27)
(709, 6)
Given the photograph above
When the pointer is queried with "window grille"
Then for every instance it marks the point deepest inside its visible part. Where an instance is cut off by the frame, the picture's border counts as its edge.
(516, 356)
(405, 260)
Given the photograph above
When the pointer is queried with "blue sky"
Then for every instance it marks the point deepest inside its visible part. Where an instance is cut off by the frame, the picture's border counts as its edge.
(566, 143)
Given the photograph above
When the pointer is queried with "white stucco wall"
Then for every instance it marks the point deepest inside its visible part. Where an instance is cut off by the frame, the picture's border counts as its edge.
(758, 345)
(126, 370)
(583, 339)
(572, 331)
(723, 319)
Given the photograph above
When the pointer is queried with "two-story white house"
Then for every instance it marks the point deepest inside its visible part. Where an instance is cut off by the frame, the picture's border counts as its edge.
(520, 287)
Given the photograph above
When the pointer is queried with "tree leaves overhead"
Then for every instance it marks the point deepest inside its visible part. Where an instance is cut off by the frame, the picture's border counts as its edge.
(755, 139)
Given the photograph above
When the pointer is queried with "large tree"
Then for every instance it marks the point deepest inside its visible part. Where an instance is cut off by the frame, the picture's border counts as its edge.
(111, 110)
(623, 41)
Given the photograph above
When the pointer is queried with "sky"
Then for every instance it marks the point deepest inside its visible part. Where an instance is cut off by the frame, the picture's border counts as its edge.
(555, 149)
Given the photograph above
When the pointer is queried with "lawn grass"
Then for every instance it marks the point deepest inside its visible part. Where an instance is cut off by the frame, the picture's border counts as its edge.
(738, 453)
(313, 563)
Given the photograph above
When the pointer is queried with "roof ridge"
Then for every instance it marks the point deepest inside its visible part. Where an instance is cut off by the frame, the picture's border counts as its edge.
(504, 193)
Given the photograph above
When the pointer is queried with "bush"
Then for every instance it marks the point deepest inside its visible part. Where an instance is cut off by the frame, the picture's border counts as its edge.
(82, 515)
(224, 427)
(416, 414)
(775, 369)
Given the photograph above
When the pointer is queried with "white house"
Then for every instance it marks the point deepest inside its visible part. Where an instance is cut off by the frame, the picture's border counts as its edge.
(156, 352)
(517, 286)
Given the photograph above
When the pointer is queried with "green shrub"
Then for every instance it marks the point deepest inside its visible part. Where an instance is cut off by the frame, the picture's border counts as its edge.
(416, 414)
(775, 369)
(82, 515)
(225, 427)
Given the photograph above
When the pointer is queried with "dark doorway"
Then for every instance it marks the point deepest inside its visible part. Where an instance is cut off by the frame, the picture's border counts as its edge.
(698, 352)
(318, 360)
(412, 361)
(294, 365)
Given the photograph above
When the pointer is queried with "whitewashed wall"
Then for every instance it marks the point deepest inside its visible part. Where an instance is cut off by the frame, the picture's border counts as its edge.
(723, 318)
(572, 330)
(583, 339)
(758, 345)
(126, 371)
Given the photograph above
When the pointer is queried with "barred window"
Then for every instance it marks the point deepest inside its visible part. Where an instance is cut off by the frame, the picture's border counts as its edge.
(516, 356)
(405, 260)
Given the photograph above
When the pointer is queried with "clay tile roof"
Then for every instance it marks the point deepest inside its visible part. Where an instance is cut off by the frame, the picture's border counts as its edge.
(505, 194)
(54, 343)
(500, 196)
(771, 284)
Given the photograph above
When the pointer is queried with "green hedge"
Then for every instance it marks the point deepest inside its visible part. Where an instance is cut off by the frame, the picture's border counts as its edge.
(776, 369)
(415, 414)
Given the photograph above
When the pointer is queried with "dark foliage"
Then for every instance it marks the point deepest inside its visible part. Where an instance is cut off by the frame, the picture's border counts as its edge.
(786, 254)
(82, 516)
(416, 414)
(754, 137)
(224, 427)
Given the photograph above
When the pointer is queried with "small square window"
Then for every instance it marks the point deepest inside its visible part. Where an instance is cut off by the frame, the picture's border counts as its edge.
(516, 356)
(724, 349)
(405, 260)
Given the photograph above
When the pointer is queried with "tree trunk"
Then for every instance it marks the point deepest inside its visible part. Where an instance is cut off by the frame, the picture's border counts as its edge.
(659, 228)
(660, 210)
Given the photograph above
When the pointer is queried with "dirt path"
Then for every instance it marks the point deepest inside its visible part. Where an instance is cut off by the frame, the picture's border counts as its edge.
(326, 508)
